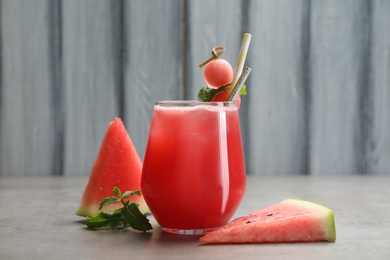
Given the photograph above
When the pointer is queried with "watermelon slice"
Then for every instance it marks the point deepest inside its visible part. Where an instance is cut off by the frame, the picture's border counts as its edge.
(288, 221)
(117, 164)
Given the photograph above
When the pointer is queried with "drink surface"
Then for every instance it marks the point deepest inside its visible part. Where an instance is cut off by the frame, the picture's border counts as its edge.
(194, 173)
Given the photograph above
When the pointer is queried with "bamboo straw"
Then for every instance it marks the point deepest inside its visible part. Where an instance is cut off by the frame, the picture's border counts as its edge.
(241, 57)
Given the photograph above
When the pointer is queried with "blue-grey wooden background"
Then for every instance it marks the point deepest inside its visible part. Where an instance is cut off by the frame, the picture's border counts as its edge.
(319, 91)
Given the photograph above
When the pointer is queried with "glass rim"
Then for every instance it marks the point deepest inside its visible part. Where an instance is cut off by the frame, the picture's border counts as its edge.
(193, 103)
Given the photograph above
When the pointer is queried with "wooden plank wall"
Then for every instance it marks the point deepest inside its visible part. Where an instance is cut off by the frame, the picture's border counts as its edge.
(319, 91)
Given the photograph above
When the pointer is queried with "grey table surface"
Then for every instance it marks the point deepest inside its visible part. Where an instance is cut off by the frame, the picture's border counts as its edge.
(37, 221)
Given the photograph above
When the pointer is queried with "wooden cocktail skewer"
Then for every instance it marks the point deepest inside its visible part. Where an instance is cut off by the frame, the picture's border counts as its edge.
(216, 52)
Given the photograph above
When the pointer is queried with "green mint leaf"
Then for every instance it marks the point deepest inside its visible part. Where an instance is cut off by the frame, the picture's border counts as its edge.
(108, 201)
(130, 193)
(206, 94)
(117, 192)
(106, 220)
(133, 217)
(128, 215)
(242, 90)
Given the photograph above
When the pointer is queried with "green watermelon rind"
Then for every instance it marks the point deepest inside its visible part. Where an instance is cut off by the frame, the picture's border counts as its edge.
(93, 209)
(272, 224)
(105, 174)
(330, 226)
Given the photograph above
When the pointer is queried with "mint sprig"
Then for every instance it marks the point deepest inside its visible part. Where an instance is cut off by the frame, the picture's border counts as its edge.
(127, 216)
(206, 93)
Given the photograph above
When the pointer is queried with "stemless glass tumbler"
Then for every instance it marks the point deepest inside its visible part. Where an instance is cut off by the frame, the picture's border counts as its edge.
(193, 175)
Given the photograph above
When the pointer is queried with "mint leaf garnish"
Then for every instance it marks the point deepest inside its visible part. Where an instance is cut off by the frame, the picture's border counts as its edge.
(206, 93)
(117, 192)
(133, 216)
(242, 90)
(127, 216)
(108, 201)
(106, 220)
(130, 193)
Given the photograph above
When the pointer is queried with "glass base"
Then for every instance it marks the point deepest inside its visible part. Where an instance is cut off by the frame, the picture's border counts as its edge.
(188, 231)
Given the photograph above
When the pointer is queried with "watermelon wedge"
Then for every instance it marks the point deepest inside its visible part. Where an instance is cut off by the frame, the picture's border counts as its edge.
(117, 164)
(288, 221)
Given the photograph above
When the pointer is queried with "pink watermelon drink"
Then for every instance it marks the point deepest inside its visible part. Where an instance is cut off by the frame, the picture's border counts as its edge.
(193, 176)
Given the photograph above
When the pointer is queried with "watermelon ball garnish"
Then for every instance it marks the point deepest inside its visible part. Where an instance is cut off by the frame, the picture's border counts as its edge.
(218, 73)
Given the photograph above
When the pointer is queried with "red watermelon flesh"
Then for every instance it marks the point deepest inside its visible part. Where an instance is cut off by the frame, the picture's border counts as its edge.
(288, 221)
(117, 164)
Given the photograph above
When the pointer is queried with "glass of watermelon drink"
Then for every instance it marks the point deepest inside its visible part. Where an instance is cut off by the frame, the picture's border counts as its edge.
(193, 175)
